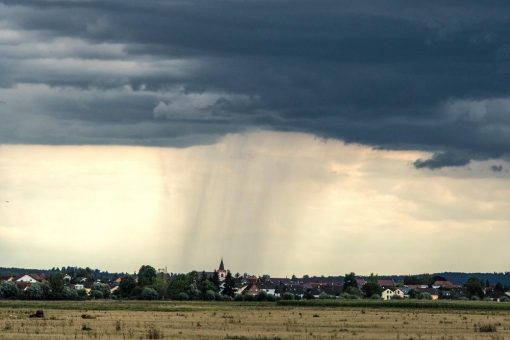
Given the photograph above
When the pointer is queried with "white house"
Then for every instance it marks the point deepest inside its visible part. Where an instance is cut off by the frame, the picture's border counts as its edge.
(270, 289)
(27, 278)
(388, 294)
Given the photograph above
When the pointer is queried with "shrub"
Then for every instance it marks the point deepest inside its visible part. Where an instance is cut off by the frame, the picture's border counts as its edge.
(249, 298)
(226, 298)
(462, 298)
(475, 298)
(425, 296)
(325, 296)
(69, 294)
(82, 293)
(396, 297)
(375, 297)
(270, 297)
(261, 296)
(344, 296)
(354, 291)
(210, 295)
(96, 294)
(182, 296)
(149, 294)
(238, 298)
(348, 296)
(504, 299)
(288, 296)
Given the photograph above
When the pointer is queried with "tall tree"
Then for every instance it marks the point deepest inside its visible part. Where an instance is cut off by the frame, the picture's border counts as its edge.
(57, 282)
(179, 283)
(161, 284)
(230, 285)
(474, 287)
(205, 284)
(215, 279)
(146, 275)
(350, 281)
(127, 284)
(372, 286)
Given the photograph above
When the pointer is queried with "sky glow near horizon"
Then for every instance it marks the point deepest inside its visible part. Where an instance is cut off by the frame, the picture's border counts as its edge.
(268, 202)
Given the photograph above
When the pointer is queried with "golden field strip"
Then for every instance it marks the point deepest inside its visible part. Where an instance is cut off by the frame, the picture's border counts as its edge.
(228, 320)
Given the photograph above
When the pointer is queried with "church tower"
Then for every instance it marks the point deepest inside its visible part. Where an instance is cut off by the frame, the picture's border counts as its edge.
(222, 273)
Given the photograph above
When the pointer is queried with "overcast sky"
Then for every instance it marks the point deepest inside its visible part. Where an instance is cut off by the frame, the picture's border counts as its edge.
(410, 100)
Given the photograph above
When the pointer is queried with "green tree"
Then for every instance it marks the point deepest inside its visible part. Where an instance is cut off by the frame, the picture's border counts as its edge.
(205, 285)
(474, 287)
(96, 294)
(424, 279)
(69, 294)
(81, 272)
(350, 281)
(82, 294)
(126, 286)
(161, 284)
(178, 284)
(372, 286)
(146, 276)
(354, 291)
(35, 292)
(56, 283)
(8, 289)
(215, 279)
(230, 285)
(411, 280)
(193, 291)
(101, 287)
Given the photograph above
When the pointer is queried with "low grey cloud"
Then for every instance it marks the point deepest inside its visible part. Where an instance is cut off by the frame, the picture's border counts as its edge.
(497, 168)
(429, 76)
(442, 159)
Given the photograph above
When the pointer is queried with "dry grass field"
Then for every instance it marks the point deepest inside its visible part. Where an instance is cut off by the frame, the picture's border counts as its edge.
(155, 320)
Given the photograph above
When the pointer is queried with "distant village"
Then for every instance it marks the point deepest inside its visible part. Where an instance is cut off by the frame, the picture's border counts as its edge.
(148, 283)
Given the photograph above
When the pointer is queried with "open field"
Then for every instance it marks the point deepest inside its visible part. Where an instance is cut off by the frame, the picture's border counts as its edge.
(217, 320)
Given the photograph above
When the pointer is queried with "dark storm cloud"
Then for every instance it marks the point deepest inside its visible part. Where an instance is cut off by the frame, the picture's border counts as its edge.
(429, 76)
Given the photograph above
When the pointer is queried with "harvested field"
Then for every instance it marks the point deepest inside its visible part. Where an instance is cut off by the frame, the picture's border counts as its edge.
(154, 320)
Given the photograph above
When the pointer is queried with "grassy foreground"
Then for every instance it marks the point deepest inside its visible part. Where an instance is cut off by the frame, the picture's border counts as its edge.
(403, 304)
(221, 320)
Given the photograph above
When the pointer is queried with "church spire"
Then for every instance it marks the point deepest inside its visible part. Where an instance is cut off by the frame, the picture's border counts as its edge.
(221, 265)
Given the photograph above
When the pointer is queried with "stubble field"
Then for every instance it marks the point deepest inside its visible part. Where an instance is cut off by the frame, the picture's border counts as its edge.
(215, 320)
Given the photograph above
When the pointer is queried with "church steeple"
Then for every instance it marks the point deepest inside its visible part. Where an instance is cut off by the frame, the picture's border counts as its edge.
(222, 267)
